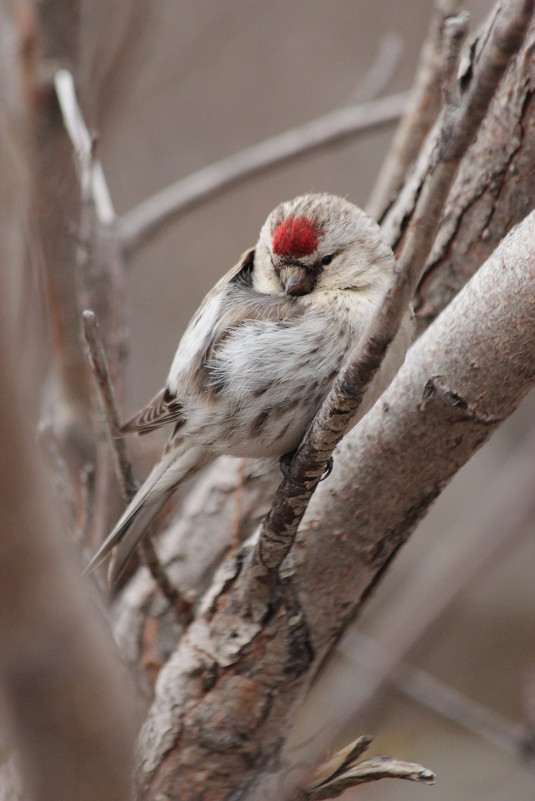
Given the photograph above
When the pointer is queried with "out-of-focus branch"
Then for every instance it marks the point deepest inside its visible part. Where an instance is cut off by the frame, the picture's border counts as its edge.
(378, 76)
(142, 223)
(90, 174)
(100, 275)
(459, 123)
(45, 36)
(435, 695)
(422, 109)
(65, 696)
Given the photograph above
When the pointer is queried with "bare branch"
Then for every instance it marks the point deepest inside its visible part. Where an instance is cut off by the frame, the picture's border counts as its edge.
(142, 223)
(342, 771)
(422, 109)
(379, 75)
(436, 413)
(439, 580)
(492, 190)
(455, 31)
(99, 370)
(121, 461)
(459, 124)
(90, 172)
(440, 698)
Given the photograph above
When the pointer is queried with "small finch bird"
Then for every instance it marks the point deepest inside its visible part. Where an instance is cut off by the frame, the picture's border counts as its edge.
(261, 352)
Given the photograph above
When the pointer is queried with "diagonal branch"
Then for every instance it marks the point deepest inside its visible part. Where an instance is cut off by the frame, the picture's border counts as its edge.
(146, 220)
(441, 577)
(467, 373)
(460, 121)
(99, 370)
(121, 461)
(435, 695)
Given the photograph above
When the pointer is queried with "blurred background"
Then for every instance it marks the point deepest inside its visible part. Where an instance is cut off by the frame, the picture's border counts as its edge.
(180, 85)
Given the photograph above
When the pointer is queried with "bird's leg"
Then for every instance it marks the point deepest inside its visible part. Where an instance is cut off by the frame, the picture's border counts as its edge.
(286, 461)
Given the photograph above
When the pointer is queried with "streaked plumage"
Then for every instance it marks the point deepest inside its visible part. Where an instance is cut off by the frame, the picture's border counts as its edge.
(261, 352)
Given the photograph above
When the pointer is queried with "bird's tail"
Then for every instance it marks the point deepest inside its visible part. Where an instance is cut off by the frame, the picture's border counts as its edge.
(160, 484)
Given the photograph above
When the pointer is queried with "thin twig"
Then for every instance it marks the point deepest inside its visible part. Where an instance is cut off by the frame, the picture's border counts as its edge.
(459, 125)
(90, 172)
(143, 222)
(121, 461)
(440, 698)
(99, 370)
(378, 76)
(423, 107)
(341, 771)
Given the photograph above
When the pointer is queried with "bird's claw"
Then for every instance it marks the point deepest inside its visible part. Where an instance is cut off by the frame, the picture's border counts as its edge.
(286, 461)
(328, 468)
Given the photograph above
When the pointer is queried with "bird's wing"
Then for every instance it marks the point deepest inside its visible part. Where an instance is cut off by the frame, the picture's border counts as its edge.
(165, 408)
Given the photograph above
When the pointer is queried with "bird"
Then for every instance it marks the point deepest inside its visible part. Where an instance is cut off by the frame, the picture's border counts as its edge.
(262, 351)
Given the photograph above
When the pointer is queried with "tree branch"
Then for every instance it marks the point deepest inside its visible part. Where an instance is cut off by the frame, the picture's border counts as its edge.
(145, 221)
(342, 771)
(491, 192)
(90, 174)
(440, 578)
(459, 381)
(427, 691)
(422, 109)
(121, 461)
(460, 120)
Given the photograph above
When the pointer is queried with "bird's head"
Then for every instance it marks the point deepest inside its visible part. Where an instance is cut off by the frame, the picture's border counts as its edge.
(319, 242)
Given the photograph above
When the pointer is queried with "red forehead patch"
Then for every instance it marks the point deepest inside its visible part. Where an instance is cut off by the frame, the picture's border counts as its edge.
(295, 236)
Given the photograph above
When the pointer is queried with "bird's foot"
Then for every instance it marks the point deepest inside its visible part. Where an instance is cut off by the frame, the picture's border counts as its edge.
(286, 461)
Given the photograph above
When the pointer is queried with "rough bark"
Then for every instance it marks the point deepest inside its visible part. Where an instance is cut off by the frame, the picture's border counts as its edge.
(493, 191)
(225, 700)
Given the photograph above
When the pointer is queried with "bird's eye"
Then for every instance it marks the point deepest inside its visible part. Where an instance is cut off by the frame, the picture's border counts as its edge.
(327, 260)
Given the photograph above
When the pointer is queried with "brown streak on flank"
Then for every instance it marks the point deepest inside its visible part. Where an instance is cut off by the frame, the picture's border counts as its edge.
(260, 421)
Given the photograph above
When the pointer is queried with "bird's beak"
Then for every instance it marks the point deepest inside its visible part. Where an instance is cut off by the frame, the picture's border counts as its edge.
(297, 280)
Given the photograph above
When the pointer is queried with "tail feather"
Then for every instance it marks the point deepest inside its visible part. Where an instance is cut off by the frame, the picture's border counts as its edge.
(131, 534)
(145, 505)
